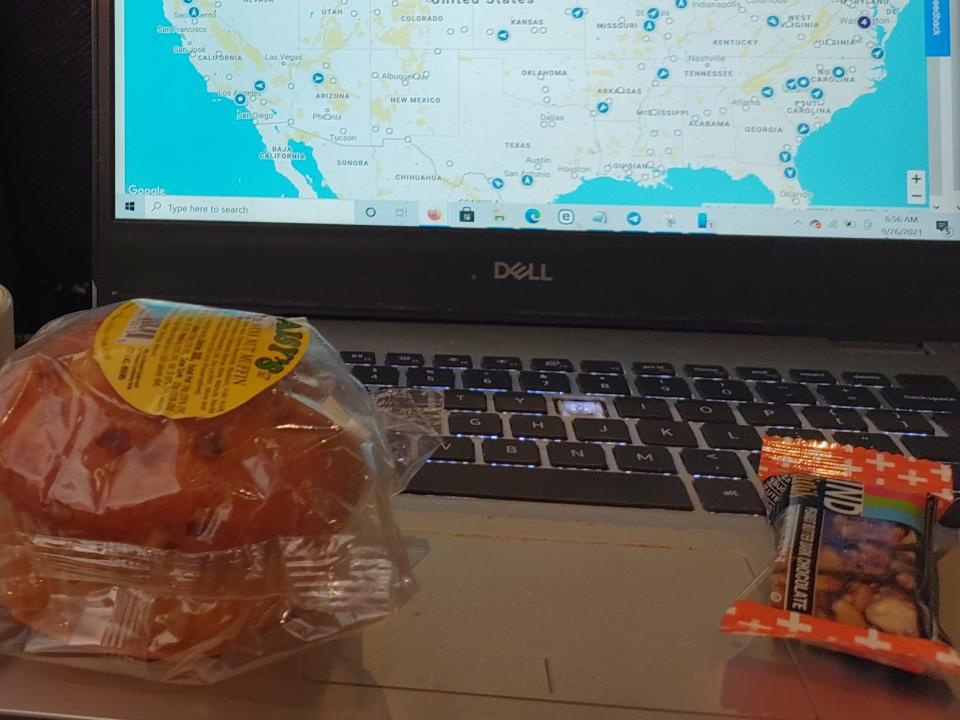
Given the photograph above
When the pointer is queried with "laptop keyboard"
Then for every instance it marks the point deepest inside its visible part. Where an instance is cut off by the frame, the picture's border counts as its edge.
(597, 433)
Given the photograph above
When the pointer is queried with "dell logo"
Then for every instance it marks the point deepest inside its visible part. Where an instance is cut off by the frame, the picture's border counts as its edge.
(529, 272)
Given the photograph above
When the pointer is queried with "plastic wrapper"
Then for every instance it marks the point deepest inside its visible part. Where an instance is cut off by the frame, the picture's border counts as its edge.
(855, 566)
(187, 493)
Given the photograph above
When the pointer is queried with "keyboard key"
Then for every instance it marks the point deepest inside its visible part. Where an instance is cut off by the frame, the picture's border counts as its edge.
(665, 432)
(552, 365)
(928, 447)
(654, 369)
(631, 407)
(377, 375)
(455, 449)
(431, 377)
(662, 387)
(847, 396)
(576, 455)
(603, 367)
(545, 382)
(724, 390)
(911, 400)
(949, 423)
(705, 411)
(535, 426)
(475, 424)
(711, 372)
(785, 393)
(591, 430)
(818, 377)
(798, 433)
(761, 374)
(453, 361)
(716, 463)
(728, 496)
(930, 384)
(520, 403)
(866, 379)
(405, 359)
(754, 460)
(358, 358)
(511, 452)
(645, 459)
(902, 421)
(464, 400)
(603, 384)
(835, 419)
(487, 380)
(581, 487)
(761, 414)
(499, 362)
(731, 437)
(872, 441)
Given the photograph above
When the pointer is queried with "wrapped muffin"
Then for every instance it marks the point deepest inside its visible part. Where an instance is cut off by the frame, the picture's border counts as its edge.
(186, 492)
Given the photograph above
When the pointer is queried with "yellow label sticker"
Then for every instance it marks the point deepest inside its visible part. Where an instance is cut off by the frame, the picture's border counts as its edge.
(185, 361)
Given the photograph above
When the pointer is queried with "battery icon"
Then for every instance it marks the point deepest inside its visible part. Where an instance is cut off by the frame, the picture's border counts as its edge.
(702, 221)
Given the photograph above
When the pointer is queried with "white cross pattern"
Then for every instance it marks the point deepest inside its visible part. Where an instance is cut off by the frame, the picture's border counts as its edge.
(914, 479)
(794, 624)
(880, 462)
(754, 625)
(849, 468)
(942, 472)
(872, 640)
(948, 657)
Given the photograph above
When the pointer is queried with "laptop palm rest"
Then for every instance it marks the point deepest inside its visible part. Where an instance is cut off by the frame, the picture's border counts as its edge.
(572, 622)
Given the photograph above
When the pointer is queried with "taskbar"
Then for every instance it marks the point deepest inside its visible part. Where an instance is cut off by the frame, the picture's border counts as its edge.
(923, 223)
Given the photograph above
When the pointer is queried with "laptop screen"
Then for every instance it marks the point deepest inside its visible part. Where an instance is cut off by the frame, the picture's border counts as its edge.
(713, 117)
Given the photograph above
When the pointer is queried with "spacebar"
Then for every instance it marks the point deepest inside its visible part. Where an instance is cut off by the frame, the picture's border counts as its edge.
(578, 487)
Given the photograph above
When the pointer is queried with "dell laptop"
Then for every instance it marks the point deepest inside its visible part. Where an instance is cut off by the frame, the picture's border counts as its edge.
(625, 240)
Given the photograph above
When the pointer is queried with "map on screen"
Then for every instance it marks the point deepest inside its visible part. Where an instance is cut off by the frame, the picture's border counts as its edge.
(575, 114)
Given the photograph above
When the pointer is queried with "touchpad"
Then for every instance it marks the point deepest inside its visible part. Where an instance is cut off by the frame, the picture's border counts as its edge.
(628, 626)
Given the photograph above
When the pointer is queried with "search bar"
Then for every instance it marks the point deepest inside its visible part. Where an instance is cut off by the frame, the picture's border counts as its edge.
(192, 209)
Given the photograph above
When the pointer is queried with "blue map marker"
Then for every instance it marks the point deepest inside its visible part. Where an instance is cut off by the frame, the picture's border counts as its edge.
(503, 35)
(790, 173)
(649, 25)
(681, 4)
(791, 84)
(653, 13)
(603, 107)
(663, 73)
(839, 72)
(318, 78)
(577, 13)
(864, 22)
(773, 21)
(877, 53)
(240, 99)
(194, 12)
(785, 156)
(766, 91)
(497, 183)
(527, 180)
(260, 85)
(817, 94)
(803, 129)
(803, 81)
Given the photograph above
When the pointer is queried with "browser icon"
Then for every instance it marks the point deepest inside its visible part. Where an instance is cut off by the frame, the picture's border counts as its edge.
(533, 216)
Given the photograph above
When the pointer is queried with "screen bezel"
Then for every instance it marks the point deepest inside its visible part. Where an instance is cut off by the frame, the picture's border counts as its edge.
(850, 288)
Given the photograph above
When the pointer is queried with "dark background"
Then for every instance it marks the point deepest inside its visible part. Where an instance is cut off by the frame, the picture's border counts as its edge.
(46, 158)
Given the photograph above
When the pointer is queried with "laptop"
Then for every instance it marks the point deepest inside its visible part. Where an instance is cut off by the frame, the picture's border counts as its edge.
(626, 241)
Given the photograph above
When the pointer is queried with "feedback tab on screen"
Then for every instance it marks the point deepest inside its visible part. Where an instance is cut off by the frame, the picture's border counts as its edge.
(937, 27)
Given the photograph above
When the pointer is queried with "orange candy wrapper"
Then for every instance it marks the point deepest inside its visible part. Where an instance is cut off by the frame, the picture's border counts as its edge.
(854, 570)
